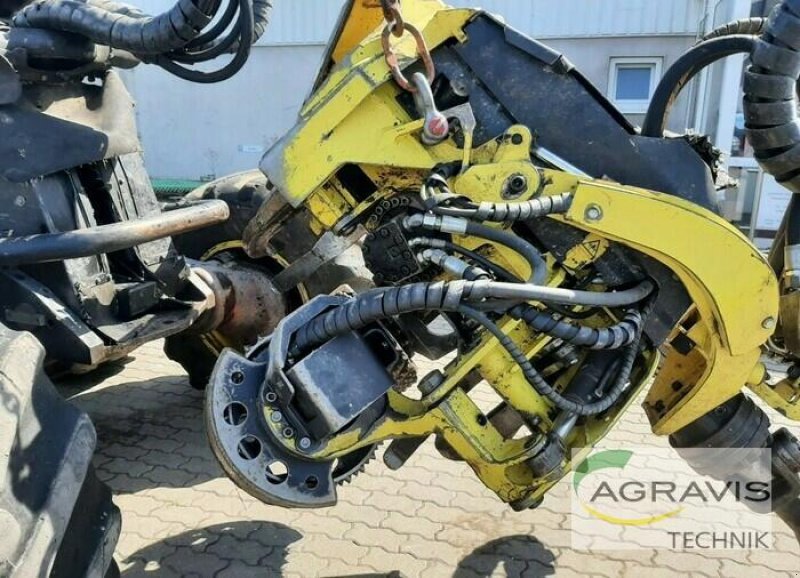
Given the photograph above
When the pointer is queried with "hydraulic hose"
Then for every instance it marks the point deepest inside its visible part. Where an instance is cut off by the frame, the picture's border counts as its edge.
(215, 31)
(453, 265)
(383, 303)
(747, 26)
(623, 333)
(516, 244)
(175, 37)
(546, 390)
(511, 212)
(460, 226)
(240, 58)
(121, 29)
(685, 68)
(770, 103)
(500, 272)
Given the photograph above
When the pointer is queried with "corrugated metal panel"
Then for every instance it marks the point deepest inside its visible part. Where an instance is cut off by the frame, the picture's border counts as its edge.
(591, 18)
(311, 21)
(302, 21)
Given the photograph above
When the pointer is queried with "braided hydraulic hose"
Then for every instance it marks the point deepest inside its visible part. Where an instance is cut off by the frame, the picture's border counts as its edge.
(546, 390)
(623, 333)
(384, 303)
(770, 103)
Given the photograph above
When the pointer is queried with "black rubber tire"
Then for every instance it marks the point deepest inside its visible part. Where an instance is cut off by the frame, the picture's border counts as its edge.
(244, 193)
(55, 514)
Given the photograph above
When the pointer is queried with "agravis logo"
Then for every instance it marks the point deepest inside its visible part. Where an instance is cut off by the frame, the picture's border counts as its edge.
(652, 498)
(611, 459)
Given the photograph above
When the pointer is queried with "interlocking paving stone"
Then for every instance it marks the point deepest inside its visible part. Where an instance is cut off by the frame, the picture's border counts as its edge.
(433, 518)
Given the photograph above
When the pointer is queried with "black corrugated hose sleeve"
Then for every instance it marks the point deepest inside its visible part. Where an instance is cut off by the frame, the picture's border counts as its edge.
(126, 29)
(619, 335)
(770, 103)
(386, 302)
(546, 390)
(378, 304)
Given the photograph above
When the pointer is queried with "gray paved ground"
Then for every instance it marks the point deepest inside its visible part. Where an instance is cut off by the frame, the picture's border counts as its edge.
(182, 517)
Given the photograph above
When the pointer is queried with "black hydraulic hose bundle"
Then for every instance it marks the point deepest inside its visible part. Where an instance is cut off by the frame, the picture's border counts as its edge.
(179, 35)
(770, 90)
(242, 30)
(123, 27)
(540, 384)
(386, 302)
(770, 103)
(619, 335)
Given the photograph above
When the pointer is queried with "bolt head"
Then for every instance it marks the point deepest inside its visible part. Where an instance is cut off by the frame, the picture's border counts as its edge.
(515, 186)
(304, 443)
(276, 417)
(593, 213)
(769, 323)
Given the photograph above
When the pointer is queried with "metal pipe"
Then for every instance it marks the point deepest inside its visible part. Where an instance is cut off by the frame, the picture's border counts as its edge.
(50, 247)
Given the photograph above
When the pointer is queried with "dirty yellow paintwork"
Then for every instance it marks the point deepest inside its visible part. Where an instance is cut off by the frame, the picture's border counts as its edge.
(360, 19)
(784, 396)
(354, 118)
(721, 271)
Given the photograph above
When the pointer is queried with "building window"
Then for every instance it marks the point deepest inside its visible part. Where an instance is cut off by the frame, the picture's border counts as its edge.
(632, 83)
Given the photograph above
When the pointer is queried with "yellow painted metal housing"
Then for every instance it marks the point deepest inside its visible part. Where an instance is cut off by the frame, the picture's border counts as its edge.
(354, 118)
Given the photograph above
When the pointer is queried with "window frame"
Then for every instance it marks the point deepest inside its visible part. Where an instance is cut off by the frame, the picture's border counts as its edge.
(632, 106)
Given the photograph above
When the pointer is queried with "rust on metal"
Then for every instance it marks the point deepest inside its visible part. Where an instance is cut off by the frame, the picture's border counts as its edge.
(394, 16)
(394, 63)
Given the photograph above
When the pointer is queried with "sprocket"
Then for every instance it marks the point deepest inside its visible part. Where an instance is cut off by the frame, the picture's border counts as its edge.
(353, 464)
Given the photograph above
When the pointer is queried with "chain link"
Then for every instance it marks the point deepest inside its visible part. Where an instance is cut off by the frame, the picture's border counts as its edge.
(393, 14)
(397, 26)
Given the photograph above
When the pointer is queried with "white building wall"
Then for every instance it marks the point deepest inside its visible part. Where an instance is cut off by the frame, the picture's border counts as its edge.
(192, 131)
(592, 18)
(310, 21)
